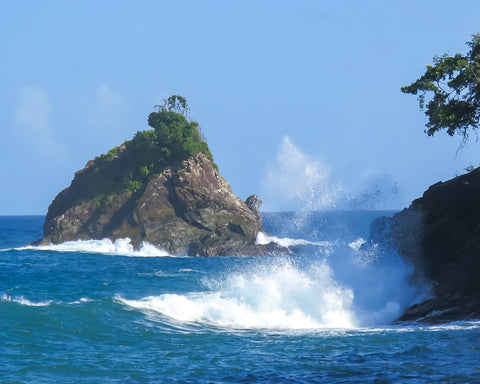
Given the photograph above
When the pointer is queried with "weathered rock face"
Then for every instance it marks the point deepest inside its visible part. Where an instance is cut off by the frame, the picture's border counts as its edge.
(254, 203)
(440, 234)
(186, 209)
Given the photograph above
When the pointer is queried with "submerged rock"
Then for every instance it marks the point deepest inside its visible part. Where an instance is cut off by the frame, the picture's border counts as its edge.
(187, 209)
(440, 235)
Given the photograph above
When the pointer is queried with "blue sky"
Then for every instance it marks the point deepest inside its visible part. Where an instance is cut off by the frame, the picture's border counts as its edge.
(300, 100)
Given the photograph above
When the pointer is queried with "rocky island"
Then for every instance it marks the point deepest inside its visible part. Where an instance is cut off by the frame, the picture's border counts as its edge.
(161, 187)
(439, 234)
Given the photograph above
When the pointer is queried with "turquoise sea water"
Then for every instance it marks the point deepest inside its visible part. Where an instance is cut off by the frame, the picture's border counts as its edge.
(90, 312)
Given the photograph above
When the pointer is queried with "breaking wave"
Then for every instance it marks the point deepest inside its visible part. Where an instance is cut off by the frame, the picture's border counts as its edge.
(344, 286)
(121, 247)
(274, 296)
(264, 239)
(23, 301)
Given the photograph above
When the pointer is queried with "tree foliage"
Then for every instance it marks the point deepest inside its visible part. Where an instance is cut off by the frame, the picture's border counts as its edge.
(129, 166)
(175, 103)
(449, 92)
(178, 137)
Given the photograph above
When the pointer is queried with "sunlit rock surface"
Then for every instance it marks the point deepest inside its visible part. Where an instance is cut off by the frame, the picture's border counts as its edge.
(187, 209)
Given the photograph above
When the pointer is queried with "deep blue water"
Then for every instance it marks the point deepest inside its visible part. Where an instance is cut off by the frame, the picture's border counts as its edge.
(100, 312)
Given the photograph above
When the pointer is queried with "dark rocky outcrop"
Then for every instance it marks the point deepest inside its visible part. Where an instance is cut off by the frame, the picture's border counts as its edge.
(254, 203)
(440, 235)
(188, 208)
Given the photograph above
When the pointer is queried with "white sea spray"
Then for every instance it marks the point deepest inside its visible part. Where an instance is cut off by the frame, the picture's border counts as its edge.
(274, 296)
(299, 181)
(264, 239)
(120, 247)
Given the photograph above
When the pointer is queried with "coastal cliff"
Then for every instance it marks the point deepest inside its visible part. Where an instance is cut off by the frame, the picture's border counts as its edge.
(439, 234)
(161, 187)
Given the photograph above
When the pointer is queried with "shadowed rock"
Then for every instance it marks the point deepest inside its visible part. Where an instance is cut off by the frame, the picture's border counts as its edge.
(254, 203)
(440, 235)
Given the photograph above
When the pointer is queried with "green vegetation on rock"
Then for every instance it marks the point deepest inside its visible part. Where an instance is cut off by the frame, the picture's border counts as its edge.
(128, 167)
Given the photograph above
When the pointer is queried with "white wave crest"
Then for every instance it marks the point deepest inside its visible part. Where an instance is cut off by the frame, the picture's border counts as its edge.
(82, 300)
(121, 247)
(264, 239)
(357, 244)
(188, 270)
(275, 297)
(23, 301)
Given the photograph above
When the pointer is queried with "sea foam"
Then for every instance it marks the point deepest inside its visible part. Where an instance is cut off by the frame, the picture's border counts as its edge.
(121, 247)
(23, 301)
(264, 239)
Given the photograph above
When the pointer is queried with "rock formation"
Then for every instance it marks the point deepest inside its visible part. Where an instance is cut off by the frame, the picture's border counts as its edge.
(254, 203)
(440, 235)
(187, 209)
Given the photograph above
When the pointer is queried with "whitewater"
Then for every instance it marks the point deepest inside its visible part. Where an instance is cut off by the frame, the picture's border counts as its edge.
(102, 311)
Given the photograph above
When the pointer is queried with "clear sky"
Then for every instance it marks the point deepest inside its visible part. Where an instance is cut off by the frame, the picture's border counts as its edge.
(300, 100)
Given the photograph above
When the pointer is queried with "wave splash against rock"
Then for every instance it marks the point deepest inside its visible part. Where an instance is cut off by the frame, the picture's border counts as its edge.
(187, 209)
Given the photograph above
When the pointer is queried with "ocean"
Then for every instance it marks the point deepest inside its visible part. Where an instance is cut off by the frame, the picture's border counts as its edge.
(102, 312)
